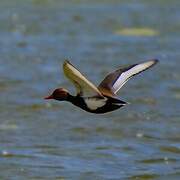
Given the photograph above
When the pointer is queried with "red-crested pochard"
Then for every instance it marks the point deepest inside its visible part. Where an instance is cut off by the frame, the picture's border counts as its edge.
(101, 99)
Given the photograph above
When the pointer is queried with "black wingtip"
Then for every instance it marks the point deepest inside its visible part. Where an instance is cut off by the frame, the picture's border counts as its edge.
(156, 61)
(66, 61)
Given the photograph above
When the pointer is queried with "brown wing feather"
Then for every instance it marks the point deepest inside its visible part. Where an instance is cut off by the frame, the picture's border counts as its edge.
(106, 85)
(83, 86)
(115, 80)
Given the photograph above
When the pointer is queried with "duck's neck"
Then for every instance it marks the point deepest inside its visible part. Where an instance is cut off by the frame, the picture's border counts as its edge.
(70, 98)
(76, 100)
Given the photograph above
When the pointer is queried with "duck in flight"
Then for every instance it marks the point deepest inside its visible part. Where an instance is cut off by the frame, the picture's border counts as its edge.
(101, 99)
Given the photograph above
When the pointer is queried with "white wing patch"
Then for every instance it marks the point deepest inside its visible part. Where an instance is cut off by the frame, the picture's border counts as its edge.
(94, 103)
(125, 76)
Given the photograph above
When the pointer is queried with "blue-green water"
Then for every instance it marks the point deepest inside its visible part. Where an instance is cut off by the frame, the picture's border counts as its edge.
(51, 140)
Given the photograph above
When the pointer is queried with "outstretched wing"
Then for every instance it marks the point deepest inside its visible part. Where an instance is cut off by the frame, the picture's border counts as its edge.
(83, 86)
(115, 80)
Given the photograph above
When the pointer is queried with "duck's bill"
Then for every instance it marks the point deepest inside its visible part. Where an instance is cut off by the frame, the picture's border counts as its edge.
(49, 97)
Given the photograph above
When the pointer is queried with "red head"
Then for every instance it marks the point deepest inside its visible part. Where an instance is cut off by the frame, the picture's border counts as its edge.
(59, 94)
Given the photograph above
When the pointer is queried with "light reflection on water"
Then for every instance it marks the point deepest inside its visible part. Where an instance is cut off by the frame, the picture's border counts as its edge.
(51, 140)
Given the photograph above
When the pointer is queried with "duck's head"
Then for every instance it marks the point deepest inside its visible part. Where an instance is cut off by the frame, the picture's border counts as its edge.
(59, 94)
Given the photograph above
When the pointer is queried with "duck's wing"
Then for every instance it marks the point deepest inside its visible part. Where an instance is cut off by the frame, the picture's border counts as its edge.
(83, 86)
(115, 80)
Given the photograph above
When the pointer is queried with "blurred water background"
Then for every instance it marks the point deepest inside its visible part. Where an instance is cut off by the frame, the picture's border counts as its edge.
(52, 140)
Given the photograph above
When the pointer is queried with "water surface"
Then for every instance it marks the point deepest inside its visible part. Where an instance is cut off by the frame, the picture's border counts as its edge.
(52, 140)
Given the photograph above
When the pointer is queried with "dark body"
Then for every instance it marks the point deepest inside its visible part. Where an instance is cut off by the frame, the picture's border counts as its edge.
(111, 104)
